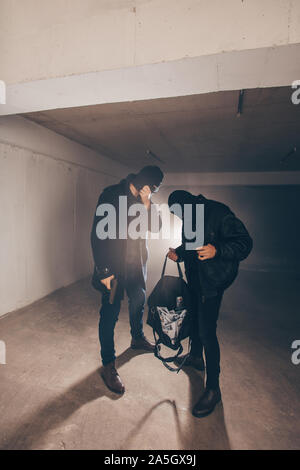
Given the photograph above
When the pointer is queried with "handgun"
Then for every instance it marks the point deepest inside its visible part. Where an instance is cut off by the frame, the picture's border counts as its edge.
(113, 290)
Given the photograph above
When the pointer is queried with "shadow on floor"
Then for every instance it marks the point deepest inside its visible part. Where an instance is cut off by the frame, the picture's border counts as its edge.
(203, 433)
(28, 434)
(192, 433)
(195, 433)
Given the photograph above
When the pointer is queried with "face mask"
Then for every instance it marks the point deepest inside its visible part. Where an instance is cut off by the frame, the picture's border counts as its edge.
(154, 188)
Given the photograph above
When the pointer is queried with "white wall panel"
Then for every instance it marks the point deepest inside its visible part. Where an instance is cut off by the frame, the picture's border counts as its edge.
(48, 193)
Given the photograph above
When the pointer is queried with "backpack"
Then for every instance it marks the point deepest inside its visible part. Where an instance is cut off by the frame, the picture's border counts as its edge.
(169, 314)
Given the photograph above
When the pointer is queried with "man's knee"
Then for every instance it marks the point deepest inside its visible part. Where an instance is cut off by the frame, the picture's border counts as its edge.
(208, 335)
(138, 298)
(142, 296)
(109, 312)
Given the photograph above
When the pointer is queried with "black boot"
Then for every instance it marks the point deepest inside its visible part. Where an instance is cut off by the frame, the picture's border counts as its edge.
(207, 402)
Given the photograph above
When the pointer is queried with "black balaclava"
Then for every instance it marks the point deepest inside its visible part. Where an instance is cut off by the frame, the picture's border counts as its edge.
(151, 176)
(181, 197)
(184, 197)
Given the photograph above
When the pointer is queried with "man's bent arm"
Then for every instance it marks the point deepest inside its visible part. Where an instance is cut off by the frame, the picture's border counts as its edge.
(100, 253)
(235, 241)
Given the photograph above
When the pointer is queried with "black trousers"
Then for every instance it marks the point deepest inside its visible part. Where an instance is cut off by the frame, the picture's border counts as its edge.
(109, 314)
(204, 331)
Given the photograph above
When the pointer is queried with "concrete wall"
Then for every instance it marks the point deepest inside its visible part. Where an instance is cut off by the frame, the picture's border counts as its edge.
(46, 39)
(49, 187)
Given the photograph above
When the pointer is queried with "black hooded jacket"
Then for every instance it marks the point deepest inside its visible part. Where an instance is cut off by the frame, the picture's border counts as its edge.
(110, 255)
(232, 241)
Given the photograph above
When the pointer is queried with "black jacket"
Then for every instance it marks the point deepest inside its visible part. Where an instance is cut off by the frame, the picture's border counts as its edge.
(110, 254)
(232, 241)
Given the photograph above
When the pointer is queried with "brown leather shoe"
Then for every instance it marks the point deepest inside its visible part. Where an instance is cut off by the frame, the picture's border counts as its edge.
(112, 379)
(142, 343)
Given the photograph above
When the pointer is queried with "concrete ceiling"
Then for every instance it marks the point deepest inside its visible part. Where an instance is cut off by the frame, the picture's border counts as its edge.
(191, 133)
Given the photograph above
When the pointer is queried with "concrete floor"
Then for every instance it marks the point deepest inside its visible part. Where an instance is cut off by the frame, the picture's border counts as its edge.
(52, 396)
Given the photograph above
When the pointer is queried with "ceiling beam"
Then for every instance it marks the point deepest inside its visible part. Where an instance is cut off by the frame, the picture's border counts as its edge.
(236, 70)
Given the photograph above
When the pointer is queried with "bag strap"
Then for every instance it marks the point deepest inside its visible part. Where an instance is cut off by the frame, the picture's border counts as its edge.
(165, 264)
(165, 360)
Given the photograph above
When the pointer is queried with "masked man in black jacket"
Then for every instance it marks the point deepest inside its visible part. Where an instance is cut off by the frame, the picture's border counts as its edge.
(210, 269)
(120, 262)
